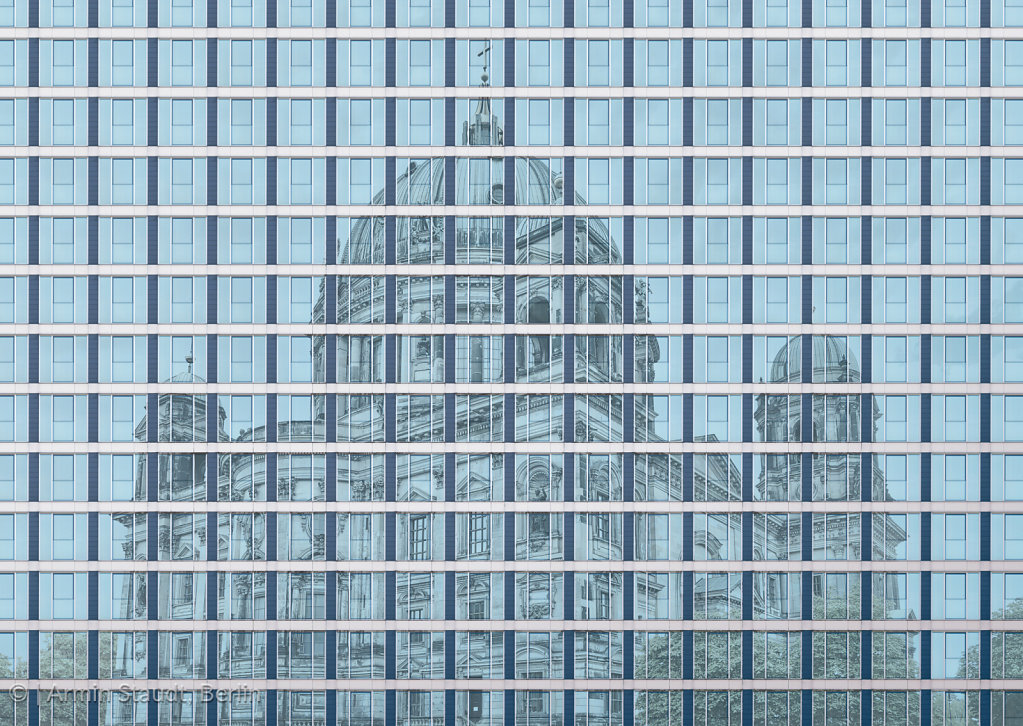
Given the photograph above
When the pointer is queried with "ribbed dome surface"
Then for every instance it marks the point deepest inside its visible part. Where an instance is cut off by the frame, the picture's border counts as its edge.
(478, 182)
(832, 361)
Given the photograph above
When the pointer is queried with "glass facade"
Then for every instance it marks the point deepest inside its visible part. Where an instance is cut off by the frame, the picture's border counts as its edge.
(511, 362)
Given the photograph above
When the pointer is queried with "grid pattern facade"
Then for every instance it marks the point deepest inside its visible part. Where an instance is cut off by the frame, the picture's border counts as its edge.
(511, 362)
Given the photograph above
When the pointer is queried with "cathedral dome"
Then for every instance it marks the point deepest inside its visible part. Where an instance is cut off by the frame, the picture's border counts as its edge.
(479, 182)
(832, 361)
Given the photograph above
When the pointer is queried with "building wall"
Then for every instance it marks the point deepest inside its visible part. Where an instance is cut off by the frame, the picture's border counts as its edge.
(520, 362)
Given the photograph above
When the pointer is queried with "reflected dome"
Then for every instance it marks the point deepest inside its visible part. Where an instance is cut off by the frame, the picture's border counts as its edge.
(832, 361)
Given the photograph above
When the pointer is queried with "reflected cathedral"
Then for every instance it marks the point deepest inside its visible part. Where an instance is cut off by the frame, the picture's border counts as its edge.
(539, 358)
